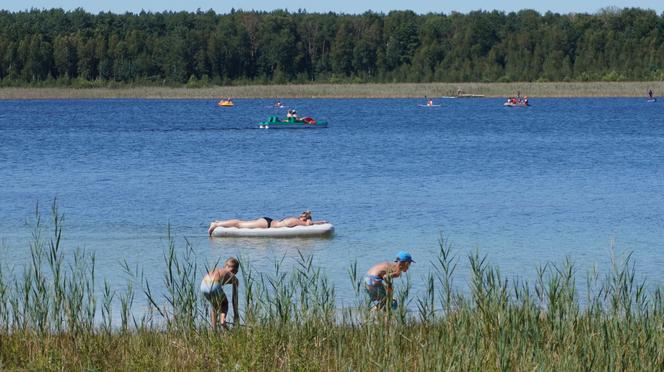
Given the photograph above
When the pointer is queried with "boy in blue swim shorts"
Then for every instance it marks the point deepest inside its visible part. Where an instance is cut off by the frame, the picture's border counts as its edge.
(212, 290)
(378, 280)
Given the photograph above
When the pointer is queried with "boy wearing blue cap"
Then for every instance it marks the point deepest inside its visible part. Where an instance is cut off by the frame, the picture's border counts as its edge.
(378, 280)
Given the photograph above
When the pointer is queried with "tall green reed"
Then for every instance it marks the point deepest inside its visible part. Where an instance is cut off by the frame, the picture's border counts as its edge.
(179, 306)
(300, 295)
(49, 294)
(496, 321)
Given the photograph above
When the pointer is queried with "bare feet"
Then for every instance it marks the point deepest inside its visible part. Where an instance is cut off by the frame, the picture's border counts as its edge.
(211, 228)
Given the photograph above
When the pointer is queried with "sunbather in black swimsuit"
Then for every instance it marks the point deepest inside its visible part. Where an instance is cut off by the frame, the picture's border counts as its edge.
(269, 221)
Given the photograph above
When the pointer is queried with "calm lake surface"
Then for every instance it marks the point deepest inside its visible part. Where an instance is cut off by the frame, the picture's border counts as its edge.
(525, 186)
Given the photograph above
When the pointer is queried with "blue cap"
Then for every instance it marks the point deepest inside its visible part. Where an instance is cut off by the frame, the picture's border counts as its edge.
(404, 256)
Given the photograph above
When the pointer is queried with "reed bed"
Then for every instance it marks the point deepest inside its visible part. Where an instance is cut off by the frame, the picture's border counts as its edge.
(55, 314)
(397, 90)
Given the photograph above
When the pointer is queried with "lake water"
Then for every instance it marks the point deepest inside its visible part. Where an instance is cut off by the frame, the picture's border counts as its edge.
(525, 186)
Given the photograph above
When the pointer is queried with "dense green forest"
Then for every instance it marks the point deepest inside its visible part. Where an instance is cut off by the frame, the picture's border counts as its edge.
(58, 48)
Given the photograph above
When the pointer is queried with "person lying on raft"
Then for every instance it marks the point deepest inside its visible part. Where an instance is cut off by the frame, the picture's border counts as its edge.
(211, 288)
(266, 222)
(378, 280)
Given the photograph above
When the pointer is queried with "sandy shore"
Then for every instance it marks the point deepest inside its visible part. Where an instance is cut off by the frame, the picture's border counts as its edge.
(404, 90)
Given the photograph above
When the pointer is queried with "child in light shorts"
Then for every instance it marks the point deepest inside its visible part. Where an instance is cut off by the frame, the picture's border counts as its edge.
(212, 290)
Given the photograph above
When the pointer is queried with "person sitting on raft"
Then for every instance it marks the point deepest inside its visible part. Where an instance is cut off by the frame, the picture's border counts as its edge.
(211, 288)
(266, 222)
(378, 280)
(292, 114)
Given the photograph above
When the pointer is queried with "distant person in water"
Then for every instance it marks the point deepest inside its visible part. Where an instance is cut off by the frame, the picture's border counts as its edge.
(278, 104)
(266, 222)
(378, 280)
(430, 102)
(650, 93)
(211, 288)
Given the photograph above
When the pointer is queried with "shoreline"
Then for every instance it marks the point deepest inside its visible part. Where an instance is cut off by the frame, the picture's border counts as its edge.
(65, 323)
(391, 90)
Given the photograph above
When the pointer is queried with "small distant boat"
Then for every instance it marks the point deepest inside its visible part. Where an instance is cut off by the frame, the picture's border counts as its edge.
(225, 103)
(428, 104)
(273, 122)
(518, 104)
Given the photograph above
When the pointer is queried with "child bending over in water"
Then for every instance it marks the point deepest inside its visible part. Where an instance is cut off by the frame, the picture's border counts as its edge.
(211, 288)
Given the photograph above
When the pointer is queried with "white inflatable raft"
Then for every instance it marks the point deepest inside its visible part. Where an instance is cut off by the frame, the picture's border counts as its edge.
(275, 232)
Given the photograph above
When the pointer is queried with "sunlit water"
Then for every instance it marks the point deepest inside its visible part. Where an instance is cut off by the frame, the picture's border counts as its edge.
(525, 186)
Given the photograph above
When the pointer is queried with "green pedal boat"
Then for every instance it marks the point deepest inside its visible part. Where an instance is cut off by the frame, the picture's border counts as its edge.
(273, 122)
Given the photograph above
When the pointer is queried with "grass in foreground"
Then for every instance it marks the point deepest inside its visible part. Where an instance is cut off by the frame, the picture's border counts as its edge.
(53, 320)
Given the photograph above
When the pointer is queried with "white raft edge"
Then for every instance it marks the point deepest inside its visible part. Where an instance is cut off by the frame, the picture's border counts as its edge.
(274, 232)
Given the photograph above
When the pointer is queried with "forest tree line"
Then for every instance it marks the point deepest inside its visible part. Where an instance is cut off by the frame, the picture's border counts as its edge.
(56, 47)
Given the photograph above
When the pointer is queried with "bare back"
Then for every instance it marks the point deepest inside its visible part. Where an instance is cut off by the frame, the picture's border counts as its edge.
(224, 276)
(383, 269)
(291, 222)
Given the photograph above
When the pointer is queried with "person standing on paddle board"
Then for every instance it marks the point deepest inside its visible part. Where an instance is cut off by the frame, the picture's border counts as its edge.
(650, 94)
(378, 280)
